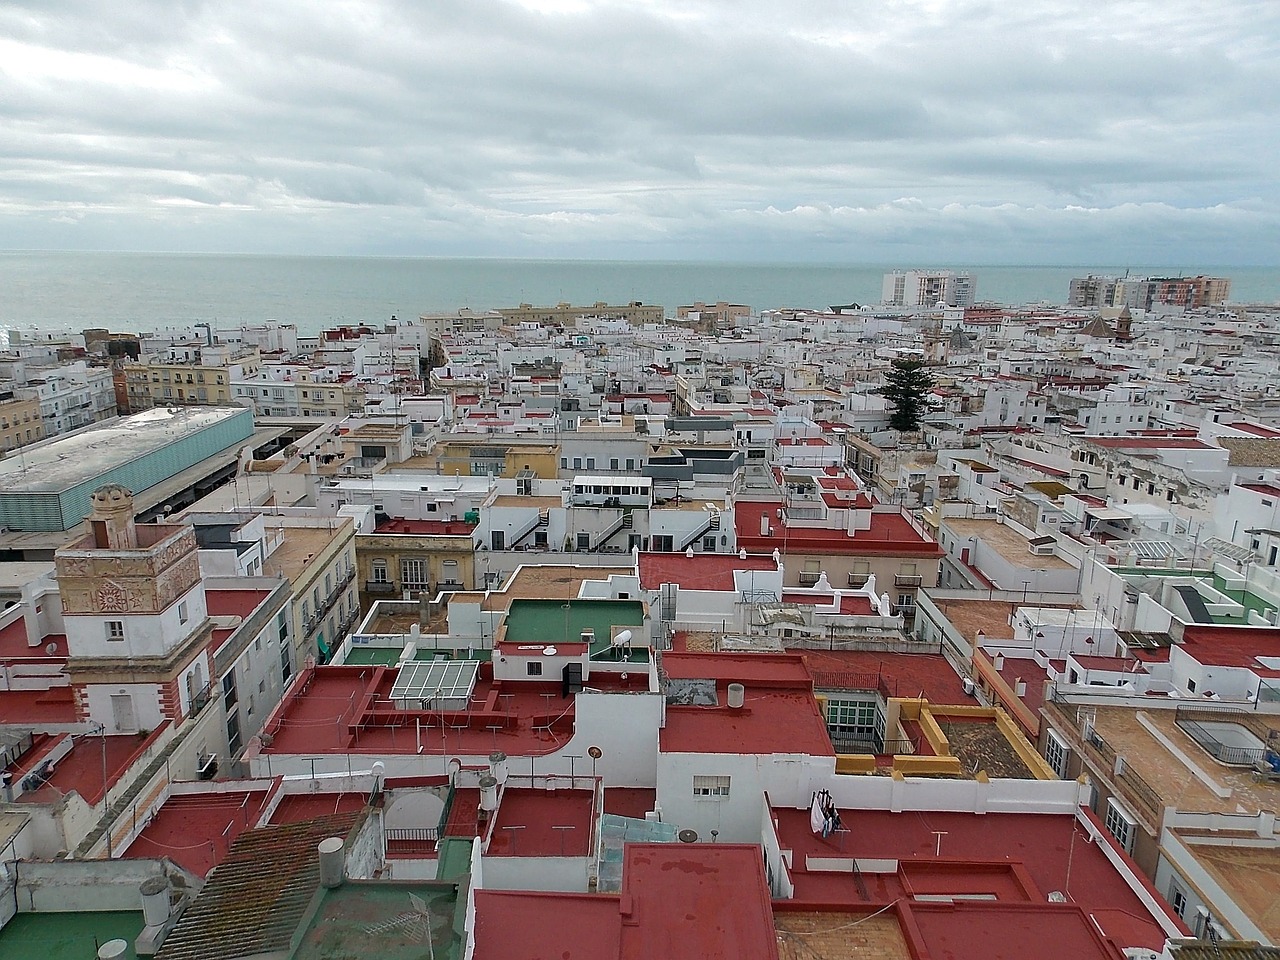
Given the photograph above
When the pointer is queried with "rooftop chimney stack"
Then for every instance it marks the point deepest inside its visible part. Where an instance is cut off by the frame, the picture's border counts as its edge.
(111, 519)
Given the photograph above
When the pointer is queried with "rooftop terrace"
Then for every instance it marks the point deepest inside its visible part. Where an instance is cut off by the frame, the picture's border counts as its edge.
(68, 936)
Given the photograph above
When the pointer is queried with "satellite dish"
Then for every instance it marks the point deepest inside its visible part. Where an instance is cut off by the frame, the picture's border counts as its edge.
(595, 753)
(688, 836)
(51, 647)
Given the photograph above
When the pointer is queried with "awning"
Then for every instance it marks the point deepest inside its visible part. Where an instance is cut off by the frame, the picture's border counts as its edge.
(1108, 513)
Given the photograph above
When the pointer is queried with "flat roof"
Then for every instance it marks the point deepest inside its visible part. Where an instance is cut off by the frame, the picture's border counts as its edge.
(387, 920)
(1251, 875)
(890, 533)
(678, 902)
(557, 621)
(69, 935)
(66, 462)
(702, 571)
(1016, 858)
(196, 831)
(1009, 543)
(927, 675)
(543, 823)
(1163, 771)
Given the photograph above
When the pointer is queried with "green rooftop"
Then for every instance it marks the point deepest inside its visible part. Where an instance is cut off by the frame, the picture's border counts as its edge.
(390, 921)
(68, 936)
(558, 621)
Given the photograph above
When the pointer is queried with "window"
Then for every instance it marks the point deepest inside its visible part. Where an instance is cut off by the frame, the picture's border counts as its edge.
(282, 626)
(613, 463)
(229, 696)
(591, 463)
(183, 615)
(1056, 753)
(711, 788)
(662, 543)
(577, 463)
(1120, 824)
(709, 543)
(379, 571)
(1178, 899)
(413, 574)
(584, 541)
(115, 629)
(286, 664)
(533, 668)
(449, 568)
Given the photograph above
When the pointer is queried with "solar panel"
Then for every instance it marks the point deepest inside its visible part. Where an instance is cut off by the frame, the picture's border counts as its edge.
(435, 684)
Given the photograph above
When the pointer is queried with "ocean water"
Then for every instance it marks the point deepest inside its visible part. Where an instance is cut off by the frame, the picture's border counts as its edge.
(147, 292)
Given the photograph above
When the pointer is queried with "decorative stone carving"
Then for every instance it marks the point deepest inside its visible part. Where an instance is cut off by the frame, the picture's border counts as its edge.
(112, 598)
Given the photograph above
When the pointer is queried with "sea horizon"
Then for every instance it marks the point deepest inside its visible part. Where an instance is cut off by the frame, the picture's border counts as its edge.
(146, 292)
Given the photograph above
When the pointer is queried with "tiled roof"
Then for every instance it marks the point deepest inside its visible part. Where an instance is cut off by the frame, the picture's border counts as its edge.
(1251, 451)
(255, 899)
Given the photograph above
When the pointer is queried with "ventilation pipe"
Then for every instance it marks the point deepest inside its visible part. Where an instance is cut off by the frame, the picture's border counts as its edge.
(113, 950)
(488, 794)
(332, 862)
(737, 696)
(498, 766)
(155, 901)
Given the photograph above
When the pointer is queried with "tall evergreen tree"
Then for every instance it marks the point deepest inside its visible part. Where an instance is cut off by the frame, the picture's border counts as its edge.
(907, 386)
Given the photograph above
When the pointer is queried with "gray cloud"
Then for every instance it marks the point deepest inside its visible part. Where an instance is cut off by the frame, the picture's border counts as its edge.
(930, 129)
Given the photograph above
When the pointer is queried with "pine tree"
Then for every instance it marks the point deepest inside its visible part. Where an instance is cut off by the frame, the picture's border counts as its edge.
(907, 386)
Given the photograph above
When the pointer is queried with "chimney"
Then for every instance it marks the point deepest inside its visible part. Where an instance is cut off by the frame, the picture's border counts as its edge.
(112, 520)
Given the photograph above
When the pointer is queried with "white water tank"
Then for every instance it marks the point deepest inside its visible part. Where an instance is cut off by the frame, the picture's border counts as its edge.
(155, 900)
(737, 696)
(332, 862)
(498, 766)
(488, 794)
(113, 950)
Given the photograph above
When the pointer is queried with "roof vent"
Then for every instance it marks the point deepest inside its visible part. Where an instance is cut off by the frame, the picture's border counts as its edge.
(332, 862)
(737, 696)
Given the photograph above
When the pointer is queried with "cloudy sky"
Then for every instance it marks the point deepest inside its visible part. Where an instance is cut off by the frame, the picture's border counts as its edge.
(983, 131)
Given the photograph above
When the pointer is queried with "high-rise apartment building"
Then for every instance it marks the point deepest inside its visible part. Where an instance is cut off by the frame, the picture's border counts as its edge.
(928, 288)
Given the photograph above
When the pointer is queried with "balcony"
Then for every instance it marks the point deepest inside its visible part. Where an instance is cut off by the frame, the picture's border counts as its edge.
(858, 579)
(904, 580)
(380, 588)
(809, 577)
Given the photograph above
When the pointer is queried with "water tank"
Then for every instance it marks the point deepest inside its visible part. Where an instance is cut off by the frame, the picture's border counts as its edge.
(737, 696)
(113, 950)
(488, 794)
(332, 862)
(155, 900)
(498, 766)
